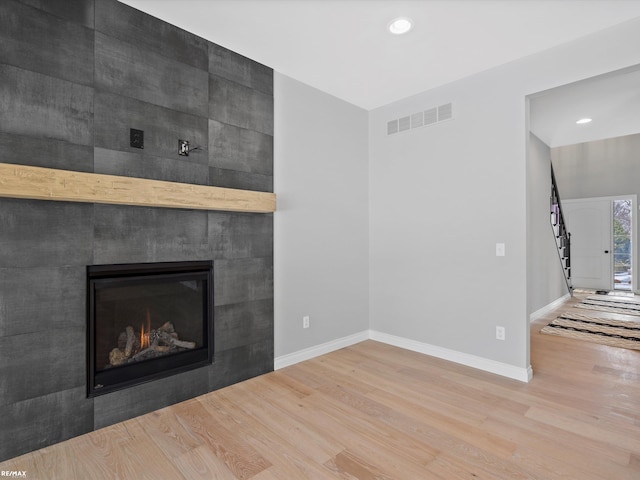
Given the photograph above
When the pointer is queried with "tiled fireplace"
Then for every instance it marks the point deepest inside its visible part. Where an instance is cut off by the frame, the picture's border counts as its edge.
(76, 77)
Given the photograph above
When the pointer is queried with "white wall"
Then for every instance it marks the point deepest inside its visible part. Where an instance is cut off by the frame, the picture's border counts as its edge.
(442, 196)
(602, 168)
(439, 199)
(321, 245)
(545, 277)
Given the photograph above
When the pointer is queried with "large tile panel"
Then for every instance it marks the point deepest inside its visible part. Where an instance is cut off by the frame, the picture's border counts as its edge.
(42, 106)
(36, 364)
(231, 223)
(78, 11)
(237, 68)
(36, 40)
(243, 324)
(126, 23)
(138, 234)
(134, 72)
(42, 298)
(42, 421)
(124, 404)
(219, 177)
(238, 235)
(243, 280)
(235, 104)
(36, 233)
(45, 152)
(241, 363)
(235, 148)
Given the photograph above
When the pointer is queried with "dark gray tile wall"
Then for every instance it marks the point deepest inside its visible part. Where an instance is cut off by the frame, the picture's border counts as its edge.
(233, 179)
(133, 72)
(45, 420)
(236, 148)
(46, 152)
(234, 67)
(40, 42)
(154, 35)
(116, 114)
(140, 399)
(75, 76)
(143, 165)
(236, 104)
(78, 11)
(39, 105)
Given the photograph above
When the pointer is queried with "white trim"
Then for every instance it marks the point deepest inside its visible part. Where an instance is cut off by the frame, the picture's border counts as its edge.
(317, 350)
(506, 370)
(547, 308)
(634, 242)
(499, 368)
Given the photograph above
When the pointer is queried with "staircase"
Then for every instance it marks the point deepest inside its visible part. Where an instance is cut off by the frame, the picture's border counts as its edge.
(562, 236)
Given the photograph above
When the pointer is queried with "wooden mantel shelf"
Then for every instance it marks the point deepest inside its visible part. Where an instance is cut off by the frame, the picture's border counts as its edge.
(19, 181)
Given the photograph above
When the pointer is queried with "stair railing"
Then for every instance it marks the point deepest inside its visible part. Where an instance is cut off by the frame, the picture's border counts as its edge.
(560, 232)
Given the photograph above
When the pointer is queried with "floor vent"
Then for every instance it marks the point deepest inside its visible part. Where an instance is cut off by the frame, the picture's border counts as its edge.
(431, 116)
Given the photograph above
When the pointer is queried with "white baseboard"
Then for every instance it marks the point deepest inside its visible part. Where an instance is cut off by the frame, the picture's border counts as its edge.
(499, 368)
(547, 308)
(317, 350)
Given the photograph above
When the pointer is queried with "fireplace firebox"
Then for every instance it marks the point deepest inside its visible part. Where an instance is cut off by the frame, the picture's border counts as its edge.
(147, 321)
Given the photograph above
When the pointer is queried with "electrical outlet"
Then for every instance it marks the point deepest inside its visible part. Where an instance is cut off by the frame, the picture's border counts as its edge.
(305, 321)
(183, 148)
(500, 250)
(500, 333)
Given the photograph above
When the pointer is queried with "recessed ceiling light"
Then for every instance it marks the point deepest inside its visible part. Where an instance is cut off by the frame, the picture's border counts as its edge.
(400, 25)
(583, 120)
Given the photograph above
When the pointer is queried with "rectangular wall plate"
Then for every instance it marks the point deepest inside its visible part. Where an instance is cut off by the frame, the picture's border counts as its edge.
(136, 138)
(183, 148)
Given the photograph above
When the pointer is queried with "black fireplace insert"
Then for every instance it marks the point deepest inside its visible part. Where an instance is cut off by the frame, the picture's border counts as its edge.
(147, 321)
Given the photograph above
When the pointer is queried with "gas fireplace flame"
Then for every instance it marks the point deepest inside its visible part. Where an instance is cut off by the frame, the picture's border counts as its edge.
(144, 334)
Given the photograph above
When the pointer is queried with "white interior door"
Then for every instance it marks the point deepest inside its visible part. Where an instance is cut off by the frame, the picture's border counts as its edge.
(590, 224)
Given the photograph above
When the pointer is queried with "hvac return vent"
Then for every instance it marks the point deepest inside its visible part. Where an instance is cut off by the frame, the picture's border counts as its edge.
(431, 116)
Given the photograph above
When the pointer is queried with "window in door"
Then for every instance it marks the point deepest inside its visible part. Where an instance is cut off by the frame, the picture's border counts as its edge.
(622, 259)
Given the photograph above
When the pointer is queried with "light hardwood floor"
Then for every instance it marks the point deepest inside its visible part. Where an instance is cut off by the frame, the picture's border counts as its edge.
(373, 411)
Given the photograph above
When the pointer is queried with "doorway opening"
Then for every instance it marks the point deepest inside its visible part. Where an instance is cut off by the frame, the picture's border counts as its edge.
(602, 242)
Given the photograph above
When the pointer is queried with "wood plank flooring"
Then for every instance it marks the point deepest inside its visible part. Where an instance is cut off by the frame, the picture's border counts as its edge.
(373, 411)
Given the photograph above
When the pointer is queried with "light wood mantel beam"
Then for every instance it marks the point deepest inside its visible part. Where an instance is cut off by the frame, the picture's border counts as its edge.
(19, 181)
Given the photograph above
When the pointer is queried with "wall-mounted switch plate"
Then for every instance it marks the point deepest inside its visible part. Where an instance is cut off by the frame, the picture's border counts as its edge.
(183, 148)
(136, 138)
(500, 250)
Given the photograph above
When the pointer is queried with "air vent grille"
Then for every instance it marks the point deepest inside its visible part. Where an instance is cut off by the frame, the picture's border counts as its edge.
(405, 123)
(417, 120)
(445, 112)
(392, 127)
(431, 116)
(425, 118)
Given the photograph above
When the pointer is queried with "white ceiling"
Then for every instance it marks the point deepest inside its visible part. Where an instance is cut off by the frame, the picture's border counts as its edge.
(343, 48)
(611, 100)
